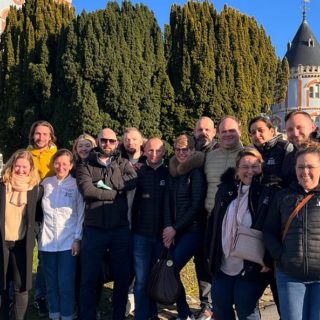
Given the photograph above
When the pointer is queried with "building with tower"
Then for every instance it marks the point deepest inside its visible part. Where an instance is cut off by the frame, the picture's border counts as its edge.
(303, 93)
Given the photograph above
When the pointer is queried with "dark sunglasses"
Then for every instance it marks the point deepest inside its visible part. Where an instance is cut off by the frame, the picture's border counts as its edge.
(105, 141)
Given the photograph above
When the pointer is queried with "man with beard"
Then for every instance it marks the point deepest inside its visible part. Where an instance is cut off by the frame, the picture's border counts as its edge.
(103, 181)
(204, 133)
(299, 128)
(42, 146)
(132, 148)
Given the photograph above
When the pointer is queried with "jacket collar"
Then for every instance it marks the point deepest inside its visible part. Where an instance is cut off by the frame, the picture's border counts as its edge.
(179, 169)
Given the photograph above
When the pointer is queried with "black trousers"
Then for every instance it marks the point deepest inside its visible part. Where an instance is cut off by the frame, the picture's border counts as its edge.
(15, 270)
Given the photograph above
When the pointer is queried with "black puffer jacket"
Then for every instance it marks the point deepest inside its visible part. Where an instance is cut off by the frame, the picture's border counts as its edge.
(288, 172)
(299, 254)
(273, 153)
(185, 194)
(147, 208)
(105, 208)
(259, 197)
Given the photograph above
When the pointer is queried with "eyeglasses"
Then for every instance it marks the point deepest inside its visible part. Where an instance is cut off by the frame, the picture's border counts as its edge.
(105, 141)
(182, 150)
(253, 167)
(307, 167)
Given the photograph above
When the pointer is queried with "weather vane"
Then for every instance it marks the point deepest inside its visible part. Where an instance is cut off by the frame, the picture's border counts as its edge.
(305, 8)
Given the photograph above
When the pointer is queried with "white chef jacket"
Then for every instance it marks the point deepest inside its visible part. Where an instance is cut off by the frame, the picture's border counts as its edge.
(63, 214)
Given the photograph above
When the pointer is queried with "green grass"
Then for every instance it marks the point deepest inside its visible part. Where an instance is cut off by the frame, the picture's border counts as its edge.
(188, 278)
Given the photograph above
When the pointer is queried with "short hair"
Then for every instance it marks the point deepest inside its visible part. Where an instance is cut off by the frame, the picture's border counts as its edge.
(229, 117)
(63, 152)
(130, 129)
(293, 113)
(9, 167)
(185, 139)
(307, 148)
(41, 123)
(84, 136)
(248, 151)
(267, 121)
(205, 118)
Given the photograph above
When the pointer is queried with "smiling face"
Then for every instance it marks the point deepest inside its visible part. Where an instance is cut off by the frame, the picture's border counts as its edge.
(249, 166)
(260, 133)
(42, 137)
(298, 129)
(22, 167)
(308, 170)
(62, 166)
(229, 133)
(83, 148)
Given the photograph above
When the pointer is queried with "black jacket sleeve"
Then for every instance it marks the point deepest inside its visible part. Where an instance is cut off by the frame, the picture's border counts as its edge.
(272, 228)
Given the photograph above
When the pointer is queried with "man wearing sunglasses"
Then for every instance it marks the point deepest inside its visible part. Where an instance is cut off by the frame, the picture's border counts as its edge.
(104, 180)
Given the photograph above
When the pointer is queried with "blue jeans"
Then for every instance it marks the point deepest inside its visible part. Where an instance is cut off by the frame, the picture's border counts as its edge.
(60, 273)
(227, 291)
(299, 300)
(94, 244)
(183, 250)
(146, 251)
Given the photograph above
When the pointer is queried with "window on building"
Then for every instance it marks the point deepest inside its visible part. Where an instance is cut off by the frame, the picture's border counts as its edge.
(314, 91)
(311, 92)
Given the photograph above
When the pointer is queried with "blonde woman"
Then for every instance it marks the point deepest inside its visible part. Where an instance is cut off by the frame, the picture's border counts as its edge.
(82, 147)
(19, 193)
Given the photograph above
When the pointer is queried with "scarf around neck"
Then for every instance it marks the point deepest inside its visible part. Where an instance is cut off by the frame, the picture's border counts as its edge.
(234, 217)
(19, 186)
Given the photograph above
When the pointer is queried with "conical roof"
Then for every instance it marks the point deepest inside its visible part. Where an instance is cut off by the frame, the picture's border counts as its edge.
(304, 49)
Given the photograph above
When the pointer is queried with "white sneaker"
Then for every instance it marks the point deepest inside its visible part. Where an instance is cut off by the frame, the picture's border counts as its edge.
(130, 304)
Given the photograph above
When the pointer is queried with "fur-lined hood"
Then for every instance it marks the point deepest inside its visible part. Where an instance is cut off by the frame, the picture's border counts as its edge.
(179, 169)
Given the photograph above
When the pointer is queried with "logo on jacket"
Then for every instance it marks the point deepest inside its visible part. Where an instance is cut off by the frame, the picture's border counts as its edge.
(162, 183)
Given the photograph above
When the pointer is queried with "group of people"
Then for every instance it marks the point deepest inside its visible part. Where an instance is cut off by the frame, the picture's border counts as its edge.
(126, 199)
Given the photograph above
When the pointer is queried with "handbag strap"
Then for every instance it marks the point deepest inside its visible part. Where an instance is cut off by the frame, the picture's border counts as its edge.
(294, 214)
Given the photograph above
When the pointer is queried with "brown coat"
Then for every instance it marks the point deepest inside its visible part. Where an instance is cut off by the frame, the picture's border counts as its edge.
(32, 197)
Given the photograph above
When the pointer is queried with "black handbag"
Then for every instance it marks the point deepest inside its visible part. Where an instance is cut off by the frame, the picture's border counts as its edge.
(164, 282)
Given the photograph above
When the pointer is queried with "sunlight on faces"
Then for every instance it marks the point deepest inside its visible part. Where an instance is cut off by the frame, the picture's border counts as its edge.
(107, 141)
(83, 148)
(154, 151)
(132, 141)
(205, 129)
(62, 166)
(308, 170)
(182, 149)
(260, 133)
(22, 167)
(249, 166)
(42, 137)
(229, 133)
(298, 129)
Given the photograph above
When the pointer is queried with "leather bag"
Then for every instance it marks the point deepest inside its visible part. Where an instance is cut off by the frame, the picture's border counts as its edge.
(248, 245)
(164, 282)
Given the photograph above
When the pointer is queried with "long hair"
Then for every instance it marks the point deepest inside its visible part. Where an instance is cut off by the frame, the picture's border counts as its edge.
(9, 167)
(41, 123)
(84, 136)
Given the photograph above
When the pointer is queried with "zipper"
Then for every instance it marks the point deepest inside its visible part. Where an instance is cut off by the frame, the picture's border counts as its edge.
(304, 240)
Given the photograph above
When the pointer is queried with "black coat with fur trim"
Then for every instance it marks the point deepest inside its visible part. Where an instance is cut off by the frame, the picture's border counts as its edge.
(259, 199)
(185, 195)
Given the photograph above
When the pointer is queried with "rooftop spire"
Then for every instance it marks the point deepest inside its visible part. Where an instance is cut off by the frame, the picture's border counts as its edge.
(304, 10)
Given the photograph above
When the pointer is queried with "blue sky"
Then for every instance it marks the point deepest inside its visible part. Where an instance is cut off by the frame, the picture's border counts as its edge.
(280, 18)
